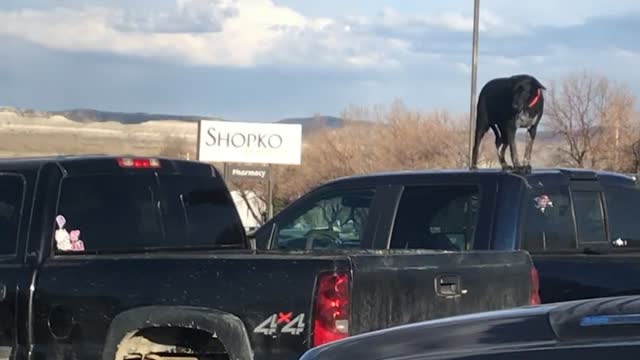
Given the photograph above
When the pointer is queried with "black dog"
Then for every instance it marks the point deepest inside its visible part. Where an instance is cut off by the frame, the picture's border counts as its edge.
(504, 105)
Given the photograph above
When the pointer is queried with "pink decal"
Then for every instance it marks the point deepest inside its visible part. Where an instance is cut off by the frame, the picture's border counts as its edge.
(76, 243)
(543, 201)
(77, 246)
(67, 240)
(74, 235)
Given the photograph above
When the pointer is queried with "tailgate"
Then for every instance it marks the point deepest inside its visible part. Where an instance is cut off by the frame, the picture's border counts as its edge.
(271, 295)
(398, 287)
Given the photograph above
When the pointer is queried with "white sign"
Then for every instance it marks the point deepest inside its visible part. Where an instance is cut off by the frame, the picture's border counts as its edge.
(242, 142)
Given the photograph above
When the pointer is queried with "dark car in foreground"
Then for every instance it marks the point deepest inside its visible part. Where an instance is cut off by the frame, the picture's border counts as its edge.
(581, 329)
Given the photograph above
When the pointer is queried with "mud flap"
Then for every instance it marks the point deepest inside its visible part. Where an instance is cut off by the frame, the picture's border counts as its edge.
(228, 328)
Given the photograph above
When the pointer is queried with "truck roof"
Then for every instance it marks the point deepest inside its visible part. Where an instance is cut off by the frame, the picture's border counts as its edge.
(99, 163)
(399, 176)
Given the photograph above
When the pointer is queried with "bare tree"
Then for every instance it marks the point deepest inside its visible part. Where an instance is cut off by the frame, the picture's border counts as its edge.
(396, 138)
(635, 151)
(587, 110)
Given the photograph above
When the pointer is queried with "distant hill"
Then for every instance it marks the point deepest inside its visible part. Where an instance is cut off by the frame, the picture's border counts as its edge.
(309, 124)
(91, 115)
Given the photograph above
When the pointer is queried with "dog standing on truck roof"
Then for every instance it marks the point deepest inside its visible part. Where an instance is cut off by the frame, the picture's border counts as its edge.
(505, 105)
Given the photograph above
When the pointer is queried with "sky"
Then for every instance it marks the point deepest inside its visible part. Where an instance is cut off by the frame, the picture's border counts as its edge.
(264, 60)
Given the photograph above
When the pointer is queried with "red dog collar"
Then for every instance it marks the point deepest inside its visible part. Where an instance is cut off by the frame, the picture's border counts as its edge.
(535, 99)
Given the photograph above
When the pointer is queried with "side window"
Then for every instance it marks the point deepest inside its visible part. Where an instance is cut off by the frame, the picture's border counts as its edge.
(589, 216)
(548, 220)
(436, 218)
(622, 204)
(11, 200)
(337, 221)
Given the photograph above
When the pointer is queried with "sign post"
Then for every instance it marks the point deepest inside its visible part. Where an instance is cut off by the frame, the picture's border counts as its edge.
(232, 142)
(270, 195)
(474, 77)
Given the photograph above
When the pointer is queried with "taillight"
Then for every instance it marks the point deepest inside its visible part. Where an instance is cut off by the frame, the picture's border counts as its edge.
(138, 163)
(534, 282)
(331, 308)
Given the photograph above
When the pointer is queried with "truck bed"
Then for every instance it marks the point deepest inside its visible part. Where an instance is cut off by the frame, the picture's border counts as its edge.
(387, 289)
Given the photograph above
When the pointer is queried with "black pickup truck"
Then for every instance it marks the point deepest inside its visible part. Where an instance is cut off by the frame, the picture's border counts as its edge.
(580, 226)
(134, 258)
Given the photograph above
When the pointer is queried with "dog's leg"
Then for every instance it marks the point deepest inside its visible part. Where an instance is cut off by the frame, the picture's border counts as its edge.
(527, 153)
(510, 135)
(502, 157)
(500, 146)
(480, 131)
(503, 148)
(482, 126)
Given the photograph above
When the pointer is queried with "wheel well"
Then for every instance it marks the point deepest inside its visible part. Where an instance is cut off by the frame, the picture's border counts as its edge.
(171, 340)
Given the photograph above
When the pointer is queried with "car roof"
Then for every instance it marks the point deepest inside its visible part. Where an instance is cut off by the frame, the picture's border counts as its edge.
(590, 319)
(398, 176)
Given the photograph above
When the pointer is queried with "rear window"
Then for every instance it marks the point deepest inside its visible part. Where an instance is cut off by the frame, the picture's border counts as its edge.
(115, 213)
(622, 213)
(436, 218)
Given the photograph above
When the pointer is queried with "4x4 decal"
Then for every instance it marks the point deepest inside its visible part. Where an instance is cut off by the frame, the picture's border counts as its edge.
(282, 322)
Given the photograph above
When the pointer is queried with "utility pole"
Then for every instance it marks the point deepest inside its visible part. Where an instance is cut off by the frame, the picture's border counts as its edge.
(474, 76)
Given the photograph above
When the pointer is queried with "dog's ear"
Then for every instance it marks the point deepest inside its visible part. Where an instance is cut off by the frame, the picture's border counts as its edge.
(539, 84)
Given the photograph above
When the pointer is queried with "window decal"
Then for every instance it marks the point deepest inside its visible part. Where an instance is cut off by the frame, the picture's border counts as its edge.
(542, 202)
(67, 241)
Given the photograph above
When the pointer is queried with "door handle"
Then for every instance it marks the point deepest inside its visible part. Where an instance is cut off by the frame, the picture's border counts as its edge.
(3, 292)
(449, 285)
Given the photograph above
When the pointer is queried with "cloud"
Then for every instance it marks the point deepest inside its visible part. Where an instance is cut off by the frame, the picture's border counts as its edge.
(561, 13)
(259, 56)
(244, 33)
(199, 32)
(189, 16)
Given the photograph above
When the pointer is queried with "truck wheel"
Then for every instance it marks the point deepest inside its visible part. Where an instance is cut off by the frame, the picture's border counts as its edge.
(167, 343)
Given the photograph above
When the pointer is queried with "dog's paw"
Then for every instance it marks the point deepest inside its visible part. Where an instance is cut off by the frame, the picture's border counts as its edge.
(507, 167)
(522, 169)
